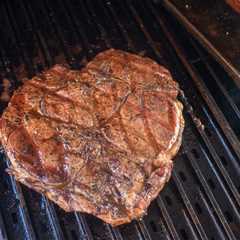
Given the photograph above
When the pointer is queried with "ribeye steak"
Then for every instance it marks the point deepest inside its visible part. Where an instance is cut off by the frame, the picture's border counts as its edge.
(100, 140)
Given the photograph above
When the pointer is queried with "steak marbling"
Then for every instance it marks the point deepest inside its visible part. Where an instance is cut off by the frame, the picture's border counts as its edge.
(100, 140)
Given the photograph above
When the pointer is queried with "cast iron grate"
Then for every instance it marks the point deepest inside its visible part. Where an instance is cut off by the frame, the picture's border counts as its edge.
(202, 200)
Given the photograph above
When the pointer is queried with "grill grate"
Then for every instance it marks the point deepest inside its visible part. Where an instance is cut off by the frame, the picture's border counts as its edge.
(202, 200)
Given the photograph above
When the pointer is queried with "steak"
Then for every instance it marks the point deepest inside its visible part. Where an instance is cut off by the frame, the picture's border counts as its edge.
(100, 140)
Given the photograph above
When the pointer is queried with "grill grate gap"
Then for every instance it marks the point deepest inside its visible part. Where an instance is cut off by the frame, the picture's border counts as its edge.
(224, 161)
(168, 201)
(74, 235)
(167, 218)
(153, 226)
(184, 234)
(5, 184)
(195, 153)
(198, 208)
(228, 216)
(218, 114)
(182, 176)
(211, 184)
(14, 217)
(43, 227)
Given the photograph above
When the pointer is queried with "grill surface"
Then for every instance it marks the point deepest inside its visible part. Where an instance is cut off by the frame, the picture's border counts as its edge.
(202, 200)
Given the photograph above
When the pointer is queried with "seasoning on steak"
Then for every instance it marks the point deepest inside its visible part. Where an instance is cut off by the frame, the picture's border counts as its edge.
(100, 140)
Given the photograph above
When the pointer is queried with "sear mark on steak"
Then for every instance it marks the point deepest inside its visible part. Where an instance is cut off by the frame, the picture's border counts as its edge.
(100, 140)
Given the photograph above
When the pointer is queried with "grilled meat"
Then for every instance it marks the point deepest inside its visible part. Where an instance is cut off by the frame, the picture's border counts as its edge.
(100, 140)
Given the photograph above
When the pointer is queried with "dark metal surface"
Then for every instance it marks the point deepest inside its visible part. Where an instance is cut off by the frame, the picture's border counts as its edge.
(201, 201)
(216, 25)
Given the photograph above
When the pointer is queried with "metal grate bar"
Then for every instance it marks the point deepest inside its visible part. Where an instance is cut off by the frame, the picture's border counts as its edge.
(80, 17)
(30, 31)
(108, 24)
(17, 37)
(191, 226)
(216, 78)
(197, 157)
(234, 206)
(80, 219)
(208, 190)
(220, 231)
(114, 232)
(96, 21)
(220, 118)
(189, 207)
(120, 26)
(49, 206)
(40, 39)
(167, 219)
(53, 219)
(199, 83)
(18, 192)
(214, 157)
(209, 193)
(151, 42)
(23, 209)
(211, 198)
(84, 230)
(164, 229)
(69, 32)
(87, 20)
(50, 209)
(44, 34)
(78, 28)
(3, 233)
(58, 32)
(166, 215)
(139, 225)
(143, 230)
(211, 148)
(180, 188)
(86, 24)
(226, 146)
(224, 172)
(143, 29)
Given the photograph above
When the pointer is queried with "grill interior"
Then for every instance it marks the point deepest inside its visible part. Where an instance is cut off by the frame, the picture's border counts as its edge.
(201, 201)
